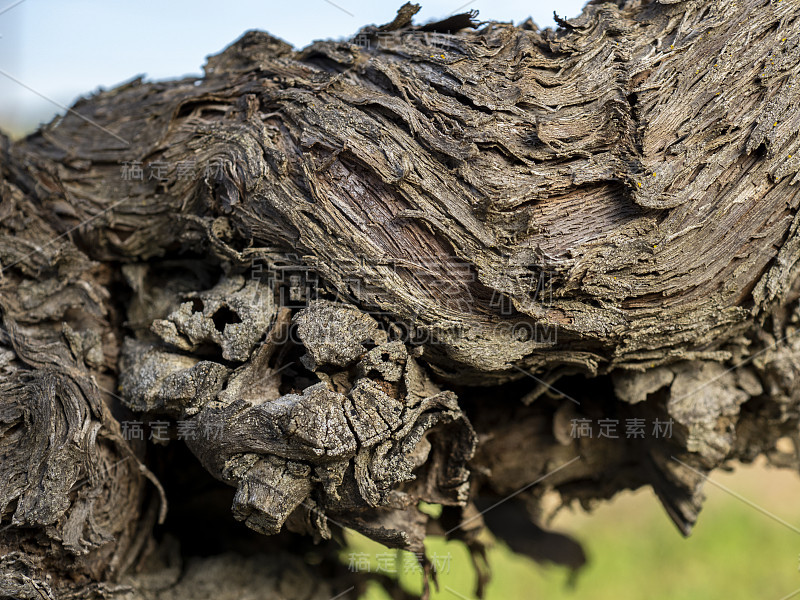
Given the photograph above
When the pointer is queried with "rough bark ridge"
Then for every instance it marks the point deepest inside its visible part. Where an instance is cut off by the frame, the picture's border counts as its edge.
(359, 270)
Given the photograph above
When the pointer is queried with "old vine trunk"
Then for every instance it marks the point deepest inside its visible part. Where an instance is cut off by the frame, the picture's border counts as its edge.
(345, 280)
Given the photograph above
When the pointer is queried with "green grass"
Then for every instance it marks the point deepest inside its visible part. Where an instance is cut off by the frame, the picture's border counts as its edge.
(735, 552)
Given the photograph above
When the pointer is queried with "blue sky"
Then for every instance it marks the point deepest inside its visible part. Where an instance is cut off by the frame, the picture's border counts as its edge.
(64, 49)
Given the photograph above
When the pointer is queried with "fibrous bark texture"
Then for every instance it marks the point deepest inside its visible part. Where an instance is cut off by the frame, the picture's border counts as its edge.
(421, 265)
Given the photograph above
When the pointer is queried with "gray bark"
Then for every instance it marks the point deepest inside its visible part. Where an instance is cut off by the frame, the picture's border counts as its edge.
(373, 276)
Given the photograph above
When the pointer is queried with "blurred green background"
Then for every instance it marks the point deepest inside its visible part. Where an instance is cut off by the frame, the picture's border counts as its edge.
(634, 550)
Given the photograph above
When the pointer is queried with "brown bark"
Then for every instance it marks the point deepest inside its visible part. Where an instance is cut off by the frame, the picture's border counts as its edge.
(373, 276)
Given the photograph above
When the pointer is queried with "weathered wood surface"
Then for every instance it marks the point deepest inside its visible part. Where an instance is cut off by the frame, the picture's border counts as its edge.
(462, 224)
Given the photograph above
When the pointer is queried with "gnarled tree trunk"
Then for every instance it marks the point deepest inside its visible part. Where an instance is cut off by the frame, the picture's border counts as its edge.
(315, 288)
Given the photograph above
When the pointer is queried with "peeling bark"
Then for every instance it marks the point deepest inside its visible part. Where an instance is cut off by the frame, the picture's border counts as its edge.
(368, 277)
